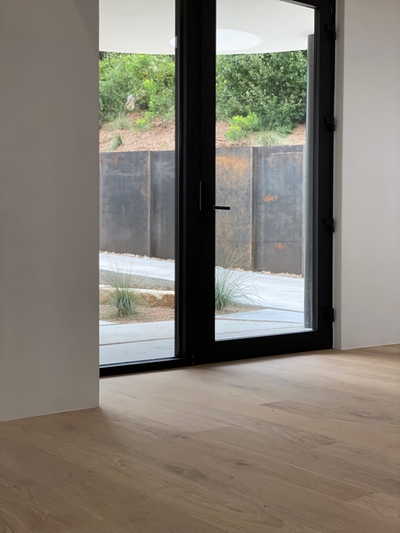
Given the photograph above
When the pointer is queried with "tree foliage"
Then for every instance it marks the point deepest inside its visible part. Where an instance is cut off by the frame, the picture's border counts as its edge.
(271, 86)
(150, 78)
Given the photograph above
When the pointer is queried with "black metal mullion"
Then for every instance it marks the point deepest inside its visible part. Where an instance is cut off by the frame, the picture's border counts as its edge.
(141, 366)
(323, 158)
(196, 176)
(208, 178)
(189, 151)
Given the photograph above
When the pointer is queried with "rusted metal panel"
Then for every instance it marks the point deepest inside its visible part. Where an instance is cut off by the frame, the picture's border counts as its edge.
(278, 208)
(162, 205)
(125, 202)
(234, 189)
(263, 187)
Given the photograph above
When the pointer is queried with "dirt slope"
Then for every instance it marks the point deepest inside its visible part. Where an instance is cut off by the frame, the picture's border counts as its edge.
(162, 136)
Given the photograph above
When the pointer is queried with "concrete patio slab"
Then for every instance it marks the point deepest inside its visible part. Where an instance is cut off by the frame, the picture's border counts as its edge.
(226, 328)
(147, 331)
(136, 351)
(268, 315)
(142, 342)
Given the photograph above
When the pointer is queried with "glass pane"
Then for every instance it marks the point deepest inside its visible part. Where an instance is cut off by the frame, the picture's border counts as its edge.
(263, 168)
(137, 181)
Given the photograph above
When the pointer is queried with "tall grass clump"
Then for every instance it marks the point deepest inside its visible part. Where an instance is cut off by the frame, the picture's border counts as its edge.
(270, 138)
(119, 122)
(116, 140)
(123, 297)
(232, 289)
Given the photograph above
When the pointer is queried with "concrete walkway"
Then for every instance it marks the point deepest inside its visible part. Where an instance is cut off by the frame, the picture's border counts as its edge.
(162, 273)
(155, 340)
(281, 297)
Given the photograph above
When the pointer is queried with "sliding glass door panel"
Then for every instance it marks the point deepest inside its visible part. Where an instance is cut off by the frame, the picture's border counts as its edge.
(137, 182)
(264, 171)
(266, 204)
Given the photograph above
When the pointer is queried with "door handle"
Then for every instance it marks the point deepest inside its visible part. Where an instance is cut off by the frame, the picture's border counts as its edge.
(222, 207)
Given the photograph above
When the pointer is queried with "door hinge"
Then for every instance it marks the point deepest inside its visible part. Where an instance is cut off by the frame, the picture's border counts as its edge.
(331, 32)
(330, 314)
(329, 223)
(330, 123)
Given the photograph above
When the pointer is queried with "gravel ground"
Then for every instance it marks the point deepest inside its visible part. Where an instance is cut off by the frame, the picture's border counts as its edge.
(146, 314)
(155, 314)
(162, 136)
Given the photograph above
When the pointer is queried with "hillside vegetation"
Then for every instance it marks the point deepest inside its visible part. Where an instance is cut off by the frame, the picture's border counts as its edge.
(261, 98)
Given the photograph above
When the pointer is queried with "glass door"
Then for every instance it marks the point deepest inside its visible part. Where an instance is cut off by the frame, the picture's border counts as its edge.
(137, 69)
(267, 202)
(241, 201)
(263, 105)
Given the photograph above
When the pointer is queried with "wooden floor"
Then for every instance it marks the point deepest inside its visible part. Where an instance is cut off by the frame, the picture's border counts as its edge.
(306, 443)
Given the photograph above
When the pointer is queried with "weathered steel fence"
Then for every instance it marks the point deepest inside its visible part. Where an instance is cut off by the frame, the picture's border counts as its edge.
(263, 186)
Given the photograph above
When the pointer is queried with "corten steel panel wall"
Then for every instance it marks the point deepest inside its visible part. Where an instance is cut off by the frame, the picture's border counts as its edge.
(263, 187)
(278, 209)
(125, 202)
(49, 187)
(162, 205)
(234, 189)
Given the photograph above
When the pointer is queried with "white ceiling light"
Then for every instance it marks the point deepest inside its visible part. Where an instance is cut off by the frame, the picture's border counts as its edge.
(229, 41)
(233, 41)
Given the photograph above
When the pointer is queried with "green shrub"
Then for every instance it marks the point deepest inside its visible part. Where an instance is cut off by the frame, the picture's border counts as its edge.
(116, 140)
(142, 124)
(274, 86)
(161, 102)
(240, 127)
(150, 78)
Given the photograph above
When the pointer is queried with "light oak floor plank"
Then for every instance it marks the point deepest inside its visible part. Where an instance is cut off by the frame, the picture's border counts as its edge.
(296, 444)
(378, 503)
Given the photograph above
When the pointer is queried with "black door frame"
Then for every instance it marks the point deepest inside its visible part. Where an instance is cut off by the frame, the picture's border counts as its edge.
(195, 195)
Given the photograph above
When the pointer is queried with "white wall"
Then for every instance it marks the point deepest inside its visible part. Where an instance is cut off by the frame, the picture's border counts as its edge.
(367, 188)
(48, 206)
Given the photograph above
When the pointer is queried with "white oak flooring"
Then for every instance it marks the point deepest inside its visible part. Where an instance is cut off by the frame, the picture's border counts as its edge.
(296, 444)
